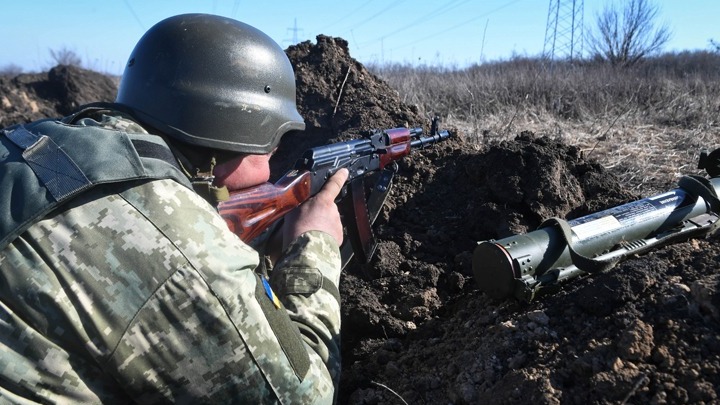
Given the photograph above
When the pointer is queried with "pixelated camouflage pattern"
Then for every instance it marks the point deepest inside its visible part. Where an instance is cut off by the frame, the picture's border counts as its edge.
(139, 293)
(117, 121)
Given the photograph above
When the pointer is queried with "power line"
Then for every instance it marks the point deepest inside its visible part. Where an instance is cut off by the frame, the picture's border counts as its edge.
(350, 14)
(235, 8)
(395, 4)
(440, 10)
(127, 4)
(456, 26)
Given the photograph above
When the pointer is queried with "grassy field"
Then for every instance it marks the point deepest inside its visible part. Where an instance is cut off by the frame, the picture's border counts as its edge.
(647, 124)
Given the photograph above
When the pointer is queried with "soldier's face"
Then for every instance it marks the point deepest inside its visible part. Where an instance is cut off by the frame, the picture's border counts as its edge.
(243, 172)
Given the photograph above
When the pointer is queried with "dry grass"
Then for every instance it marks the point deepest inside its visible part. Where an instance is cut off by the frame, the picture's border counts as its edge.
(647, 124)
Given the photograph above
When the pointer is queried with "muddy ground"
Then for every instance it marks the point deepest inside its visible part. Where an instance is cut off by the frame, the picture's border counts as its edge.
(416, 328)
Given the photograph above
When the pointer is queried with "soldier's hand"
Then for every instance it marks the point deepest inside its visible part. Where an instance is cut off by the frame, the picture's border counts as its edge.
(319, 213)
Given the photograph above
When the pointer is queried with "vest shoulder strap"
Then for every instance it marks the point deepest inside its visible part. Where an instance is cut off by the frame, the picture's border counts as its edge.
(46, 163)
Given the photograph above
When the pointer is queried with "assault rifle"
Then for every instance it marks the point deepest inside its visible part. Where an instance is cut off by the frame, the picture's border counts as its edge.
(520, 266)
(254, 211)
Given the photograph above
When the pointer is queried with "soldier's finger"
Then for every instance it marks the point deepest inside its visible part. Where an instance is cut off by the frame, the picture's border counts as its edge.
(332, 187)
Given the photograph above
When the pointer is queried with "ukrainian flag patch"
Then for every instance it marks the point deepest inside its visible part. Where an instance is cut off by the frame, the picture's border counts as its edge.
(269, 292)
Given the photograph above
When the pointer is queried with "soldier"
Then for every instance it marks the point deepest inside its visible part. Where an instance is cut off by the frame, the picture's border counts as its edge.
(120, 283)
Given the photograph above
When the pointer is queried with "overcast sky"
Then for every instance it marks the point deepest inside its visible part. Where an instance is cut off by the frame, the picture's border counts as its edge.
(449, 33)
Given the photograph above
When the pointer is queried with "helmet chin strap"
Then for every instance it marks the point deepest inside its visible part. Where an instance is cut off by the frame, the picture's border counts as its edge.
(202, 177)
(202, 183)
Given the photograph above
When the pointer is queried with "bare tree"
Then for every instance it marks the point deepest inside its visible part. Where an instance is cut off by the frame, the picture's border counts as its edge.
(715, 45)
(65, 56)
(623, 37)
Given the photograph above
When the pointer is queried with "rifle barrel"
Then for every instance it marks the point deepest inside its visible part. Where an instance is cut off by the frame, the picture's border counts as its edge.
(423, 141)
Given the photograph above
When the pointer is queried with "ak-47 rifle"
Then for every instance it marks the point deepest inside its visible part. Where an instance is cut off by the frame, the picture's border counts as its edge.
(520, 266)
(252, 211)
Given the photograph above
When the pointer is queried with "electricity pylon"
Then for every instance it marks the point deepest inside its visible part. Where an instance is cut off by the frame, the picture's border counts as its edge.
(564, 30)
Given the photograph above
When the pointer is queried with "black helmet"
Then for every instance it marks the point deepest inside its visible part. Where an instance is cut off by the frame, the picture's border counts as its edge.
(212, 81)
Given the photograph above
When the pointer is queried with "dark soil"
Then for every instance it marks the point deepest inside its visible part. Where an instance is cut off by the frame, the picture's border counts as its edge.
(56, 93)
(416, 328)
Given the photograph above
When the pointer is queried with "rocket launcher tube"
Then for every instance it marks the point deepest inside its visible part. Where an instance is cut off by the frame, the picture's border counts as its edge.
(520, 265)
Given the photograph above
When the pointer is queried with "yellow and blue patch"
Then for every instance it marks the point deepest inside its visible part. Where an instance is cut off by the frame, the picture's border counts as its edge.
(269, 292)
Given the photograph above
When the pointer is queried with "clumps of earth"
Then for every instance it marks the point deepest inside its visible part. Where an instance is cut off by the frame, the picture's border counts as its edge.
(416, 327)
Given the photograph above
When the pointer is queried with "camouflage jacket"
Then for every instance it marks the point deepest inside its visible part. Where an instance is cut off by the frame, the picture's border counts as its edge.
(137, 292)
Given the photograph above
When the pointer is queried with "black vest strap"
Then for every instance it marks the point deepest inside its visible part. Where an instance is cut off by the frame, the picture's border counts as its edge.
(146, 149)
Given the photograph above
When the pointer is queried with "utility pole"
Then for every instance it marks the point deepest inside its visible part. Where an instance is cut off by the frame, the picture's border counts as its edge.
(564, 30)
(294, 31)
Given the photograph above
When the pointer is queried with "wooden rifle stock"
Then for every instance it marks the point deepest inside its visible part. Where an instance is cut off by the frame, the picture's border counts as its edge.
(250, 211)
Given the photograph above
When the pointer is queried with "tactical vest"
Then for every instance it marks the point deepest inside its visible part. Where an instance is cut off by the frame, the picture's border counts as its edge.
(46, 163)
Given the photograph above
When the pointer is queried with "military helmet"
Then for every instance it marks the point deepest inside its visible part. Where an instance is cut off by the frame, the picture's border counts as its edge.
(212, 81)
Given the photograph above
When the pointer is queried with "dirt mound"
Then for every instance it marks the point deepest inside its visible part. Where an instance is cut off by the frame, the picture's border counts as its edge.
(338, 97)
(29, 97)
(415, 327)
(337, 92)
